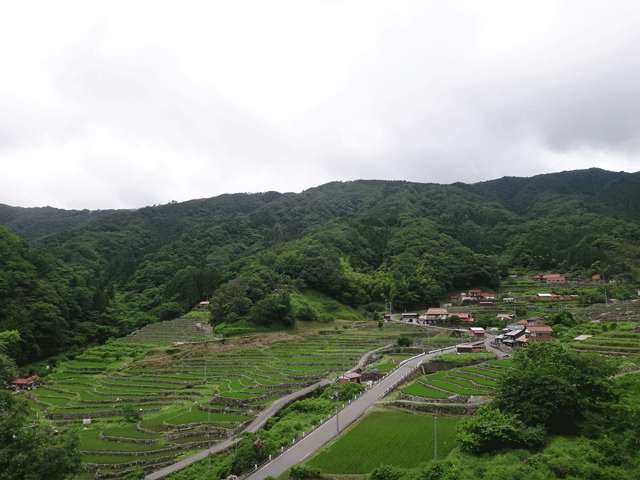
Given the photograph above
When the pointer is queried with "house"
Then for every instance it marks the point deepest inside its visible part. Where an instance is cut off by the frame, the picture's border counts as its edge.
(508, 299)
(387, 317)
(523, 322)
(476, 332)
(542, 296)
(474, 294)
(554, 279)
(487, 303)
(435, 315)
(541, 333)
(505, 317)
(25, 383)
(522, 341)
(484, 296)
(350, 377)
(511, 332)
(463, 317)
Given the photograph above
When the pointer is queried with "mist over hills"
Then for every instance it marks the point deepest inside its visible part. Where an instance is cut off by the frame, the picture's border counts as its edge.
(361, 243)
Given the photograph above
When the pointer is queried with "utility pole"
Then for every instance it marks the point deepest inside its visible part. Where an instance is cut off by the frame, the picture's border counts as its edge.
(435, 438)
(337, 421)
(204, 333)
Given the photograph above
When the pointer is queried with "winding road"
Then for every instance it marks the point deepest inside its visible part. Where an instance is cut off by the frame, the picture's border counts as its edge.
(314, 440)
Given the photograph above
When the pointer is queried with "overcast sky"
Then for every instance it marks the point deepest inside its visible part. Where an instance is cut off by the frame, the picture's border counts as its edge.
(128, 104)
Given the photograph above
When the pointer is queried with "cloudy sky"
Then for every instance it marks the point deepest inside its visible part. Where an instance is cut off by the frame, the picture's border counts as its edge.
(128, 104)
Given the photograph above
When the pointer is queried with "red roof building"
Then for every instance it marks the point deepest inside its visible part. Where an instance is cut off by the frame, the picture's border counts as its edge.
(464, 317)
(350, 377)
(25, 383)
(541, 333)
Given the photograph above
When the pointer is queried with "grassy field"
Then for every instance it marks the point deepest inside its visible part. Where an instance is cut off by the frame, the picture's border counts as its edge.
(386, 438)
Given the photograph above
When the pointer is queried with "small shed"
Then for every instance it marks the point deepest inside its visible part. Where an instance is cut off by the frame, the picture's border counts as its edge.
(410, 317)
(350, 377)
(476, 332)
(470, 347)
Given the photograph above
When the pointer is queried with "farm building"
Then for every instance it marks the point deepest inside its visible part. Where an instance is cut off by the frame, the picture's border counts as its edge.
(470, 347)
(410, 317)
(350, 377)
(476, 332)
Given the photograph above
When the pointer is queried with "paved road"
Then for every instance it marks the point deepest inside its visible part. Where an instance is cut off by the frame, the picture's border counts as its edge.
(489, 338)
(328, 430)
(253, 427)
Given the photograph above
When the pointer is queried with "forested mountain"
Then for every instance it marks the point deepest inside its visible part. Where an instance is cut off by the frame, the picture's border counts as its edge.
(359, 242)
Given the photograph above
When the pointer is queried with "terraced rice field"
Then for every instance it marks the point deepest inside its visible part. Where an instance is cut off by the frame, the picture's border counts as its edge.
(617, 343)
(480, 380)
(187, 403)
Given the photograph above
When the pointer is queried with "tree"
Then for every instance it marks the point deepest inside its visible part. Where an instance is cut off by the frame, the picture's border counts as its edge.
(31, 453)
(404, 341)
(553, 386)
(273, 309)
(130, 414)
(492, 430)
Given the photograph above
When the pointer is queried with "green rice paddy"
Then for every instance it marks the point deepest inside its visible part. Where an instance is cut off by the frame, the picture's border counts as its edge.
(386, 438)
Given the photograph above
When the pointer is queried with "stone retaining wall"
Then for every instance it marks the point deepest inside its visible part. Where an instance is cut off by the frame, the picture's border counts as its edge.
(108, 438)
(94, 467)
(101, 414)
(437, 408)
(452, 399)
(243, 402)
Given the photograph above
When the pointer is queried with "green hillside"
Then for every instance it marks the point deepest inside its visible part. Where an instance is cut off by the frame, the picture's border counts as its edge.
(362, 243)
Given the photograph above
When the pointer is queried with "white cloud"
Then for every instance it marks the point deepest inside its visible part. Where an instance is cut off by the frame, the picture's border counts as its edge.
(127, 104)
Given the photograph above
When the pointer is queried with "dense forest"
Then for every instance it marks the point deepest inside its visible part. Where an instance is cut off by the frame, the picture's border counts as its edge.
(85, 276)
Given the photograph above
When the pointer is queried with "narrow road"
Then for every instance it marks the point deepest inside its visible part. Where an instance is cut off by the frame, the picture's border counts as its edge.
(329, 429)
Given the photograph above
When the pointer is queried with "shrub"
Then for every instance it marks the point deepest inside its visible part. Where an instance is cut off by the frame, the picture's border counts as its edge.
(386, 472)
(300, 472)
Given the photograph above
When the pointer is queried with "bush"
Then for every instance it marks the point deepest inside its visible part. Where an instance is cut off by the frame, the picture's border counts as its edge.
(300, 472)
(306, 314)
(386, 472)
(404, 341)
(492, 430)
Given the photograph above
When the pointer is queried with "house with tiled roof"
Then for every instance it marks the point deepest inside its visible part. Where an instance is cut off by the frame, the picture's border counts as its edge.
(538, 333)
(435, 315)
(463, 317)
(25, 383)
